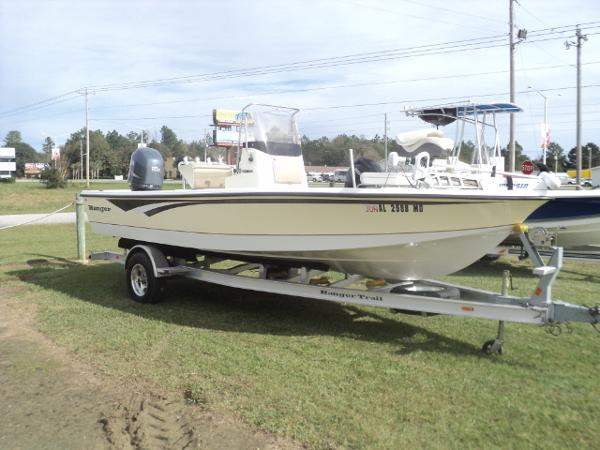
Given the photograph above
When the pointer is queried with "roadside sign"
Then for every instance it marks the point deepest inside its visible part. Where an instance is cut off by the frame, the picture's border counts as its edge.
(527, 167)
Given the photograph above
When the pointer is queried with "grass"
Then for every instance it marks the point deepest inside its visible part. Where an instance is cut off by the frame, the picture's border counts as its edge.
(327, 375)
(34, 197)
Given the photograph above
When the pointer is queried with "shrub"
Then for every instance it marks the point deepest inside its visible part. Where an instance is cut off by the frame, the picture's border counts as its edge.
(7, 180)
(53, 178)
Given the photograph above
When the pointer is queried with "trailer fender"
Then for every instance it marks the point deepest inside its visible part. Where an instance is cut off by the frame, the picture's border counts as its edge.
(157, 258)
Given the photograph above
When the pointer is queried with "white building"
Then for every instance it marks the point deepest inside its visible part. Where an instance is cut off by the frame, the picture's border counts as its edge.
(7, 162)
(596, 176)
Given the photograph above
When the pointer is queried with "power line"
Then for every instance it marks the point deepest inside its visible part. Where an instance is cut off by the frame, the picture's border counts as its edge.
(41, 104)
(462, 97)
(355, 58)
(400, 54)
(358, 58)
(454, 11)
(360, 105)
(339, 86)
(150, 118)
(405, 14)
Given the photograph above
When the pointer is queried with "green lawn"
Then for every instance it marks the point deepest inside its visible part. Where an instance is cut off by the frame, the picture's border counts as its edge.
(327, 375)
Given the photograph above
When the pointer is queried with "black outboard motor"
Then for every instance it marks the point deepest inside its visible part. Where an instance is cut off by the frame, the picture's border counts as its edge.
(146, 170)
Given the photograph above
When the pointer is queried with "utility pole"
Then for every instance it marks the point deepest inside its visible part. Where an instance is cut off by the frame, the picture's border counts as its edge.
(580, 38)
(81, 159)
(205, 145)
(385, 140)
(87, 142)
(511, 34)
(545, 129)
(545, 145)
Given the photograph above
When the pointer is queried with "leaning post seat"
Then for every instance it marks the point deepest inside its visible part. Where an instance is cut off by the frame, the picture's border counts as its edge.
(429, 140)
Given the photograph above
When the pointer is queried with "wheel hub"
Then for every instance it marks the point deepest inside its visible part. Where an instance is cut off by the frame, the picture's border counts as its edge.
(139, 280)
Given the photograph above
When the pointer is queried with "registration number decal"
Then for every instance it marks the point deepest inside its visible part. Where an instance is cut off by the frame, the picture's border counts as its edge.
(396, 207)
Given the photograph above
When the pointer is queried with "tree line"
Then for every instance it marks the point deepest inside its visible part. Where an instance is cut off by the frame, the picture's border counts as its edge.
(110, 152)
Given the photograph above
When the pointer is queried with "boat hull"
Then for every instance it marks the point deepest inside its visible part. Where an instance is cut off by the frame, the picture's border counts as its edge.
(574, 217)
(396, 235)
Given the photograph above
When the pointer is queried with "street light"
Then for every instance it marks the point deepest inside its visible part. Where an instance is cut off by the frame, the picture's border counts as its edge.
(545, 138)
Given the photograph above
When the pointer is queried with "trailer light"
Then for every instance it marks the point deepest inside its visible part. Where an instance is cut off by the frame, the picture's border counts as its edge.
(520, 228)
(467, 308)
(538, 291)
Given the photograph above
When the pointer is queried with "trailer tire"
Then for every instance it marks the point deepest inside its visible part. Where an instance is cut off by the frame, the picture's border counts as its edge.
(142, 284)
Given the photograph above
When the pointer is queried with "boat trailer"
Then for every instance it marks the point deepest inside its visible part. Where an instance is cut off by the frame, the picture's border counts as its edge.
(147, 268)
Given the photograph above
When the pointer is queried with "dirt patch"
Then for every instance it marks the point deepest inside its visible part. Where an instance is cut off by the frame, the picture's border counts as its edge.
(50, 400)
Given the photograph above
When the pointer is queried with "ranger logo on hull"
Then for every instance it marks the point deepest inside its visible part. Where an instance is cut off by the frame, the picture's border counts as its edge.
(100, 209)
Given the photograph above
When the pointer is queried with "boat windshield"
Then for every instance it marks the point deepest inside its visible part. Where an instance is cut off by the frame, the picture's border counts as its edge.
(273, 132)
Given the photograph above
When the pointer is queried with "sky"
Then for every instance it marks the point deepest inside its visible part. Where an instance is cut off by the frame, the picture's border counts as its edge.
(361, 59)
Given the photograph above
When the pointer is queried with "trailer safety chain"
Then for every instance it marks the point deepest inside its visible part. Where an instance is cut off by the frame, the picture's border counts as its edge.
(37, 219)
(554, 329)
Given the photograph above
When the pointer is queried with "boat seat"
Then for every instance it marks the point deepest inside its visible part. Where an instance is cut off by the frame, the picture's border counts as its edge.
(288, 170)
(430, 140)
(203, 175)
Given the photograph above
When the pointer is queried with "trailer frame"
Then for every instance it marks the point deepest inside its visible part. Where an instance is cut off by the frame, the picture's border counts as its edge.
(147, 272)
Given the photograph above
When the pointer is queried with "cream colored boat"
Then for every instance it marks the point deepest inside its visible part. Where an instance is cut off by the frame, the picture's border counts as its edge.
(266, 211)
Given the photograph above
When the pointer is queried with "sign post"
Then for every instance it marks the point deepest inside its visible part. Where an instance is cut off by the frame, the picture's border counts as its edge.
(80, 218)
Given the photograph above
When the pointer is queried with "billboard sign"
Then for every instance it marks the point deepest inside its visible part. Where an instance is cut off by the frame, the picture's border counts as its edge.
(34, 168)
(7, 153)
(8, 166)
(229, 117)
(228, 136)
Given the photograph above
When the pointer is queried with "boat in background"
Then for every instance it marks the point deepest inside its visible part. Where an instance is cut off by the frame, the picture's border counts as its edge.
(570, 219)
(266, 212)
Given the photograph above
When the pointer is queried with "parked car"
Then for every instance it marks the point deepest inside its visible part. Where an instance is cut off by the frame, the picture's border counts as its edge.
(327, 176)
(584, 183)
(314, 177)
(339, 176)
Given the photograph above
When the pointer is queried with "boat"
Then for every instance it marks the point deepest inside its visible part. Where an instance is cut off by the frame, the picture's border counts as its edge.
(266, 212)
(570, 218)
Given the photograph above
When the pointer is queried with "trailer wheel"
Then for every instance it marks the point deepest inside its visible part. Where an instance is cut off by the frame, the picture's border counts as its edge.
(142, 285)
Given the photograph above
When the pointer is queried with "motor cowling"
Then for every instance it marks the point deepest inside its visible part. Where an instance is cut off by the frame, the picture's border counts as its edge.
(146, 170)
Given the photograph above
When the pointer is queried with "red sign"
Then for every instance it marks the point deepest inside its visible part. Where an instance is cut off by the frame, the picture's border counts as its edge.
(527, 167)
